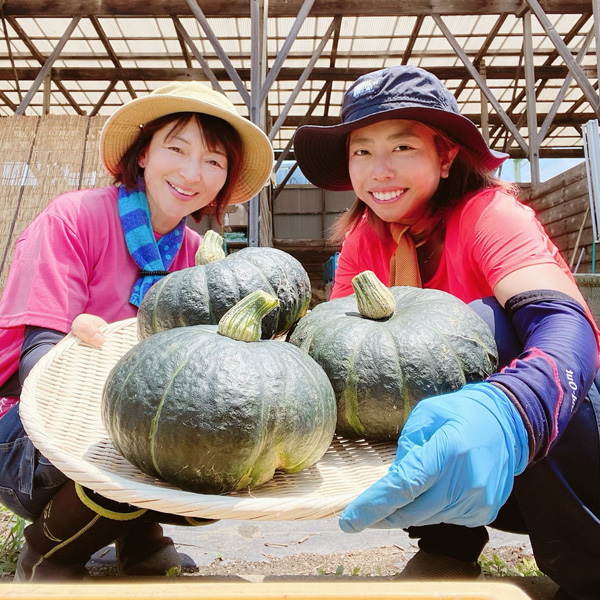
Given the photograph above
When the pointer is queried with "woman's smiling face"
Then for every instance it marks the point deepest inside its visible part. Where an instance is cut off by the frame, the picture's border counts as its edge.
(181, 174)
(395, 168)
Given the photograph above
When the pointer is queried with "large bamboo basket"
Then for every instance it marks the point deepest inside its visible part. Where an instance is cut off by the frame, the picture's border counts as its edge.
(60, 408)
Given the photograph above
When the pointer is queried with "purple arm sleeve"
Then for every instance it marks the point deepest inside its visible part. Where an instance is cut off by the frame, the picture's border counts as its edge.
(36, 342)
(555, 371)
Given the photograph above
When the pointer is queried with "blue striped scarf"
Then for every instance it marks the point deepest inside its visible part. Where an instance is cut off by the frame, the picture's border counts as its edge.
(152, 257)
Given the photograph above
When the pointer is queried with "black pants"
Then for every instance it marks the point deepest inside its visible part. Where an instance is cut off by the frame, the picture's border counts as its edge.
(556, 501)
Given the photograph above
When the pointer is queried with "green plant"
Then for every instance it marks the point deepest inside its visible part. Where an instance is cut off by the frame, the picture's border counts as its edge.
(385, 349)
(338, 571)
(528, 568)
(12, 540)
(204, 293)
(211, 413)
(496, 566)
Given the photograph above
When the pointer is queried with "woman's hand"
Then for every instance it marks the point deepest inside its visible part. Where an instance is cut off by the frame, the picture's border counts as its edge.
(87, 329)
(456, 461)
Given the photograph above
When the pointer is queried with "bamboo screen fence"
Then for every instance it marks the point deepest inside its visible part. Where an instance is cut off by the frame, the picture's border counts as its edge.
(40, 158)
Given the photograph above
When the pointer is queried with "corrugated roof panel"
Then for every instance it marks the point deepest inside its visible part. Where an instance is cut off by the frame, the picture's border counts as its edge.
(472, 44)
(109, 26)
(137, 46)
(85, 29)
(44, 47)
(305, 45)
(403, 26)
(173, 47)
(365, 43)
(348, 26)
(191, 26)
(372, 46)
(460, 24)
(429, 27)
(51, 28)
(369, 26)
(166, 27)
(96, 47)
(321, 27)
(30, 26)
(503, 45)
(345, 45)
(398, 45)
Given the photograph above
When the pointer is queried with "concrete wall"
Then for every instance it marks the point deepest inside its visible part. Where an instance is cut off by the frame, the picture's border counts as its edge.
(303, 212)
(302, 216)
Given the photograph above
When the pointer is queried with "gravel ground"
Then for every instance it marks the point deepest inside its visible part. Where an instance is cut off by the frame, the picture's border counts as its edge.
(503, 563)
(377, 564)
(374, 564)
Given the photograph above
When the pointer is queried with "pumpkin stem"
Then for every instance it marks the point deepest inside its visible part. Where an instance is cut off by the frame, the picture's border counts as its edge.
(374, 300)
(211, 248)
(242, 321)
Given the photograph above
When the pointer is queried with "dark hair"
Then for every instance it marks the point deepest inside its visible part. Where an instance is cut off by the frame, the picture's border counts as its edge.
(218, 134)
(467, 175)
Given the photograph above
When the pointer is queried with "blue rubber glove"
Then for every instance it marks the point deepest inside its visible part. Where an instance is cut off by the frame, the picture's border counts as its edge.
(456, 462)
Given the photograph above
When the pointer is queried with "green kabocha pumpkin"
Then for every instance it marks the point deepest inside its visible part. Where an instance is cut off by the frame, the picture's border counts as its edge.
(386, 349)
(204, 293)
(213, 414)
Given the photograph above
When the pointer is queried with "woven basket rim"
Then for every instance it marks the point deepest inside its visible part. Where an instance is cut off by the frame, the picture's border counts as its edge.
(60, 412)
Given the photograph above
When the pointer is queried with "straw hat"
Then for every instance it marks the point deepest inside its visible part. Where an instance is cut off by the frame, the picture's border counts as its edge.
(123, 127)
(401, 92)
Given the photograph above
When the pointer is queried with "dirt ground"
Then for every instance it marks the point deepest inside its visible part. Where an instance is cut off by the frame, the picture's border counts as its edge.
(379, 564)
(371, 564)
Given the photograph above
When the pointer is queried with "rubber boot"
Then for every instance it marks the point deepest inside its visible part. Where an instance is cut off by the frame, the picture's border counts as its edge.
(144, 551)
(425, 566)
(73, 526)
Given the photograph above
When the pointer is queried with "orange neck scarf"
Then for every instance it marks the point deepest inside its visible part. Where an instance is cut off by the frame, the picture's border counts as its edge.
(404, 264)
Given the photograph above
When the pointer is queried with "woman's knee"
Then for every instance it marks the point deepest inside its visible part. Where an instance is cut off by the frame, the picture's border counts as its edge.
(27, 479)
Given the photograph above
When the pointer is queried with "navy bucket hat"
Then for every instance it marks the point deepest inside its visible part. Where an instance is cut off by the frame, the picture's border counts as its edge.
(402, 92)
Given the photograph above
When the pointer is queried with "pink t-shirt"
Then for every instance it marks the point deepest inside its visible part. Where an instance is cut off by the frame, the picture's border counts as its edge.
(72, 259)
(488, 236)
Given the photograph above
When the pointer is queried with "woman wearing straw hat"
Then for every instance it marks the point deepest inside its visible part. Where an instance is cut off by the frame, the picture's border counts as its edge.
(520, 450)
(88, 259)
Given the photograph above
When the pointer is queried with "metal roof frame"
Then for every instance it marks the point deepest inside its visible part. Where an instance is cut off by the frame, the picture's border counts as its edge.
(525, 72)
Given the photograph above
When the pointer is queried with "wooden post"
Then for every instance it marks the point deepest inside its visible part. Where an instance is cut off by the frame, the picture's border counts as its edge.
(482, 85)
(596, 28)
(47, 94)
(584, 83)
(45, 70)
(534, 153)
(309, 67)
(485, 128)
(214, 40)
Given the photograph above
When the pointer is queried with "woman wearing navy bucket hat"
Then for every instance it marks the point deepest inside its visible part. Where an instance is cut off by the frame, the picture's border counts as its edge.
(88, 259)
(519, 451)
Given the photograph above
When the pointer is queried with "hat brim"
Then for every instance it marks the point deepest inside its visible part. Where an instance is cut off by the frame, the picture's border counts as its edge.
(322, 155)
(123, 127)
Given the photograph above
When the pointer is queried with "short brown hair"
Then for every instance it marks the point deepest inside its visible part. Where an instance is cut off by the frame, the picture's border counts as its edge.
(218, 134)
